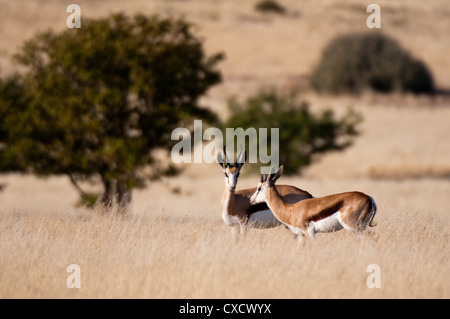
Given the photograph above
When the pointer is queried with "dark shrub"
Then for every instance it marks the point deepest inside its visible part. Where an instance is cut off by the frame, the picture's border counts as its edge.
(354, 62)
(270, 6)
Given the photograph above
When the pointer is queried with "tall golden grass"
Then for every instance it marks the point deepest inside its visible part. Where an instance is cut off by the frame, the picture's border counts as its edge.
(174, 245)
(195, 257)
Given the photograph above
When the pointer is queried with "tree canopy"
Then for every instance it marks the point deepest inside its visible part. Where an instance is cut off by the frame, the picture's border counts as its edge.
(302, 134)
(102, 98)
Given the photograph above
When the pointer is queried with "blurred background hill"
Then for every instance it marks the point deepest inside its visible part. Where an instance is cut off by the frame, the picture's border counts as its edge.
(269, 50)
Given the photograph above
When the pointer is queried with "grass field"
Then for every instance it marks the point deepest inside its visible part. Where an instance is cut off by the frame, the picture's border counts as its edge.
(154, 257)
(173, 243)
(173, 246)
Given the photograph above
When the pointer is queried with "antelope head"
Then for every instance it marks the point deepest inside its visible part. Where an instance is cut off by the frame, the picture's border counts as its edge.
(231, 171)
(266, 181)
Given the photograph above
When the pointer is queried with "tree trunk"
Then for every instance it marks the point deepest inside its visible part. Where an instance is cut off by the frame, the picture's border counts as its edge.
(109, 192)
(116, 195)
(123, 196)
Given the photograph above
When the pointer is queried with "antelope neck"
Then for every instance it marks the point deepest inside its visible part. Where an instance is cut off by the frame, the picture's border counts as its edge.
(228, 199)
(276, 204)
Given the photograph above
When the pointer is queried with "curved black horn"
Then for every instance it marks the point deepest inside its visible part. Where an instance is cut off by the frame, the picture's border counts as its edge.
(220, 160)
(227, 161)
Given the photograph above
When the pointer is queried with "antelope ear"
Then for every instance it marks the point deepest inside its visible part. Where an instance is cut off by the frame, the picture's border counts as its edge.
(274, 177)
(271, 173)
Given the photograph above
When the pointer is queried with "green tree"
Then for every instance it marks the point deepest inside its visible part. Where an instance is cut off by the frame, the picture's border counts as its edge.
(104, 97)
(13, 103)
(302, 134)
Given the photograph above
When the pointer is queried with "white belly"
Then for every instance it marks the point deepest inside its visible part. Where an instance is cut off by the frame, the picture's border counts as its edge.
(228, 219)
(328, 224)
(263, 219)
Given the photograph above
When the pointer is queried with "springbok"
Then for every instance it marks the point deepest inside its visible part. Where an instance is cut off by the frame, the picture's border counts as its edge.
(236, 207)
(351, 211)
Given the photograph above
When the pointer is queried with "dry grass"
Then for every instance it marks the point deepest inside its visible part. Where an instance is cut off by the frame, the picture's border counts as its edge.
(193, 257)
(174, 245)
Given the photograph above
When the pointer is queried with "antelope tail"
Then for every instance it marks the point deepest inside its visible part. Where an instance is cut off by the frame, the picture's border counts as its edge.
(374, 211)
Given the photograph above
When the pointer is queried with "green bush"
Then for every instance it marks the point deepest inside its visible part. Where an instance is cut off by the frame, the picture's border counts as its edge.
(355, 62)
(302, 134)
(270, 6)
(13, 103)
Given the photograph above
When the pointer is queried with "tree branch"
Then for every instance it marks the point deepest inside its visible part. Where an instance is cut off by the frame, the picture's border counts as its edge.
(75, 184)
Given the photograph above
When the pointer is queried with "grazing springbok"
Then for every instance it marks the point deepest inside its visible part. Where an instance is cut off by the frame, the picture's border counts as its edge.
(236, 207)
(351, 211)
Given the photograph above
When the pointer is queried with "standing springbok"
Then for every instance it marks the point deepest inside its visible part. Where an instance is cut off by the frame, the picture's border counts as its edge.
(351, 211)
(236, 207)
